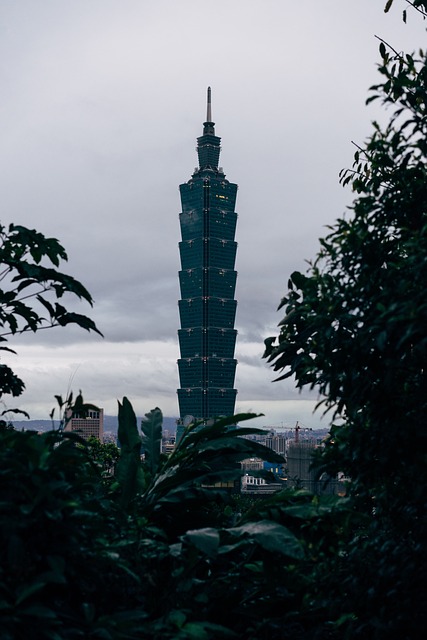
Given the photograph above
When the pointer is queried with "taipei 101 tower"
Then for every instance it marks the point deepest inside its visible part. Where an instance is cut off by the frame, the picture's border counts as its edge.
(207, 280)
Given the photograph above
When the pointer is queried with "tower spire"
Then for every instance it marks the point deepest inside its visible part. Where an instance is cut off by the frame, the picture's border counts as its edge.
(209, 126)
(209, 107)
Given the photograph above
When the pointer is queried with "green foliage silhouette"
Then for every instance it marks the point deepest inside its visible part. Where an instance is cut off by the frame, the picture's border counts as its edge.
(30, 288)
(355, 329)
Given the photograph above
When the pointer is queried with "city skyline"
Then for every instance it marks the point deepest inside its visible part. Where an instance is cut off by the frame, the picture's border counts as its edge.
(101, 103)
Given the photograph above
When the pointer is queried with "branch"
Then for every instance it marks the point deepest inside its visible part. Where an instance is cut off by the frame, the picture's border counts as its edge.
(18, 332)
(399, 55)
(419, 9)
(35, 293)
(359, 148)
(4, 273)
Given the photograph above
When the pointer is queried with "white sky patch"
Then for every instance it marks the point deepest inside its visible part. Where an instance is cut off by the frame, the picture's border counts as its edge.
(144, 372)
(284, 414)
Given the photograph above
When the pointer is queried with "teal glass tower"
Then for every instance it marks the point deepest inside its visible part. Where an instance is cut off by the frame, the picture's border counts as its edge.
(207, 308)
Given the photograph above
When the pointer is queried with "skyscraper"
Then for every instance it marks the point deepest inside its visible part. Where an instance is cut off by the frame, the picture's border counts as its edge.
(207, 279)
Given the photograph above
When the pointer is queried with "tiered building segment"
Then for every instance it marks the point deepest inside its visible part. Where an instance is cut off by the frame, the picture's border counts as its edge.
(207, 279)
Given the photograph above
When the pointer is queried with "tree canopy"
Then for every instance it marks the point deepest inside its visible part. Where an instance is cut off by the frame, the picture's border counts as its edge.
(355, 327)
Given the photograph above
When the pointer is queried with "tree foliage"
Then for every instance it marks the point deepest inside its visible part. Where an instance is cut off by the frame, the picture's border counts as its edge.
(30, 287)
(104, 455)
(355, 325)
(76, 560)
(63, 544)
(418, 5)
(355, 330)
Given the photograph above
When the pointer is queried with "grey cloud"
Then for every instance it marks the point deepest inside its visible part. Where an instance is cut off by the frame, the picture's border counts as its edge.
(102, 103)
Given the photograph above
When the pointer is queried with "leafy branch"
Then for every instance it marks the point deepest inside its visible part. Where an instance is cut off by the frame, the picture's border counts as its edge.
(31, 285)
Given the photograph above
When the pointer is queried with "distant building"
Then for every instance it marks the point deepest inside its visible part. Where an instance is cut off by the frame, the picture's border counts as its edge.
(297, 446)
(256, 485)
(252, 464)
(277, 468)
(299, 460)
(251, 483)
(302, 476)
(207, 279)
(168, 442)
(277, 442)
(89, 425)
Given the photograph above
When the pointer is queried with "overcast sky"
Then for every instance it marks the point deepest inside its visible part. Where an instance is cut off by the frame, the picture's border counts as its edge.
(102, 102)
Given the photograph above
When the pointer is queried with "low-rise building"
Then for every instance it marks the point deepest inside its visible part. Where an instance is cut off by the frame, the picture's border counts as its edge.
(89, 424)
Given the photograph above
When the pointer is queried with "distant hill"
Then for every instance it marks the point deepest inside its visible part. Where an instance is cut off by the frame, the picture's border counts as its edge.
(110, 424)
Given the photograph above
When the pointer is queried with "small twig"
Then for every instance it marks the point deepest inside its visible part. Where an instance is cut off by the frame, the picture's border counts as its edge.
(359, 148)
(4, 273)
(18, 332)
(35, 293)
(399, 55)
(419, 9)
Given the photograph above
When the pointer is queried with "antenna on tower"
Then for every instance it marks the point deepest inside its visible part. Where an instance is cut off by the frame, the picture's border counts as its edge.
(209, 107)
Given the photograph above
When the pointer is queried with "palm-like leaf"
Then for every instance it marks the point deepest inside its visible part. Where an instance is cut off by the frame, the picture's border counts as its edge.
(129, 472)
(203, 466)
(151, 427)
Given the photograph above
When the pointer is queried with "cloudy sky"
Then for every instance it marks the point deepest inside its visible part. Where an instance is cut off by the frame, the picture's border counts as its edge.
(102, 102)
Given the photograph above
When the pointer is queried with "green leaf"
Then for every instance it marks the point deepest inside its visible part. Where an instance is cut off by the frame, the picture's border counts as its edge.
(177, 618)
(27, 590)
(10, 383)
(271, 536)
(128, 470)
(298, 279)
(128, 431)
(151, 427)
(206, 540)
(42, 612)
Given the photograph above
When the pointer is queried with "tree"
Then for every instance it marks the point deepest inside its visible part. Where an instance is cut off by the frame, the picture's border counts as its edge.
(355, 330)
(104, 454)
(64, 545)
(355, 327)
(31, 286)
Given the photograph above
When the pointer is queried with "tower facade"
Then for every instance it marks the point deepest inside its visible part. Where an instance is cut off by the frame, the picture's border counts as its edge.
(207, 307)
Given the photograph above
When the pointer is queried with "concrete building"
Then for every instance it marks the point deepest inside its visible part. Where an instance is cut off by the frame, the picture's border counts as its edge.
(299, 459)
(301, 475)
(277, 442)
(91, 424)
